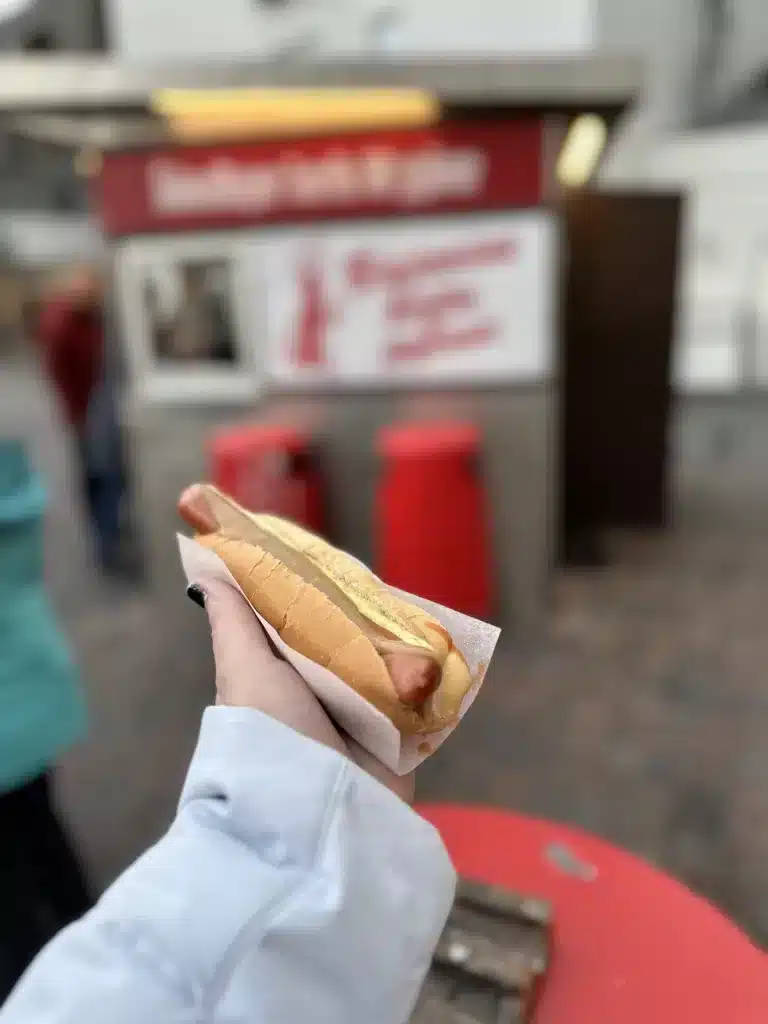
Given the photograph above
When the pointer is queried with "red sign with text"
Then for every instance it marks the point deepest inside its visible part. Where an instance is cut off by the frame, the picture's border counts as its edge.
(457, 166)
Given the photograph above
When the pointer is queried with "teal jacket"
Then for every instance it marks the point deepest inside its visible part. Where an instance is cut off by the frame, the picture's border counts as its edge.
(42, 710)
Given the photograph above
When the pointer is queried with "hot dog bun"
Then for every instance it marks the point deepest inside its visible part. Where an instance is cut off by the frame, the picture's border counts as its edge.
(328, 607)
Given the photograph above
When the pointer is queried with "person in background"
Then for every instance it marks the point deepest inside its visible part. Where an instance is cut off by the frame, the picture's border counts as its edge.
(70, 333)
(296, 885)
(42, 712)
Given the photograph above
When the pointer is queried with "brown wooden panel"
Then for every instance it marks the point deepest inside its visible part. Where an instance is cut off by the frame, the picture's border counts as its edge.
(620, 273)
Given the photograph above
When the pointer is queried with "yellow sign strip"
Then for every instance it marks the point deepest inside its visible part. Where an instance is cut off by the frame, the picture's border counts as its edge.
(281, 112)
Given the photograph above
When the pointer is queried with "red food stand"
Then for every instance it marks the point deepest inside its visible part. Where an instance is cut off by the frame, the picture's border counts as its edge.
(373, 277)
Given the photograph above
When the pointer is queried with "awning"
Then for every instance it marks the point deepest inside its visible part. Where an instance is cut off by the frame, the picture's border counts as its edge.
(94, 86)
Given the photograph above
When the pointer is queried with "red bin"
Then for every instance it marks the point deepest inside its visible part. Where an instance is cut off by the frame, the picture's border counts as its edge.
(270, 468)
(432, 521)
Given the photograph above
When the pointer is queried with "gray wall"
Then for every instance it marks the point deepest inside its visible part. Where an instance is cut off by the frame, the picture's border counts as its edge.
(699, 54)
(74, 25)
(745, 50)
(34, 177)
(667, 33)
(144, 30)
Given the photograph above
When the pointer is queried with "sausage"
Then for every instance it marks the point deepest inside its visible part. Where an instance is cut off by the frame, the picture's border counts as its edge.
(415, 676)
(194, 508)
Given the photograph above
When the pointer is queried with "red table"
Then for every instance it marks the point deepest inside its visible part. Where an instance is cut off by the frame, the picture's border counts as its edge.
(632, 946)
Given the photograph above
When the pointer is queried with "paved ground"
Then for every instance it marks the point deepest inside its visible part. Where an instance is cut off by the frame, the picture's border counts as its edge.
(642, 714)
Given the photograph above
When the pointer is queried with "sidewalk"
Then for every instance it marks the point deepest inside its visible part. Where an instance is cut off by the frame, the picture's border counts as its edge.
(642, 715)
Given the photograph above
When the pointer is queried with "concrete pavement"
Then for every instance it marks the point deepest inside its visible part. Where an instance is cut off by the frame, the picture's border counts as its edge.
(641, 714)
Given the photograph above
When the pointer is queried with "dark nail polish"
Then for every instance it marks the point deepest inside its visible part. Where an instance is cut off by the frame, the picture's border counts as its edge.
(195, 593)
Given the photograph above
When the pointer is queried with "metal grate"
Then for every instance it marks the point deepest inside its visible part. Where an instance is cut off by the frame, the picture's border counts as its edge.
(490, 960)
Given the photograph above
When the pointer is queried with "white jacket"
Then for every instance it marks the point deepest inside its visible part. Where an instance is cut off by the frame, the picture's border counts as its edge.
(291, 889)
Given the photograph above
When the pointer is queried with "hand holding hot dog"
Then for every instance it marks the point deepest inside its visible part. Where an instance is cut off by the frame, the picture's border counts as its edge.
(329, 608)
(248, 674)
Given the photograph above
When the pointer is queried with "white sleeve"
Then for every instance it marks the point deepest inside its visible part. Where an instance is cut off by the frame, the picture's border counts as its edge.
(291, 887)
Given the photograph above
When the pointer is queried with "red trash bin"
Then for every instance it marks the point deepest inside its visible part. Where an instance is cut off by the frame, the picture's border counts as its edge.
(270, 468)
(432, 521)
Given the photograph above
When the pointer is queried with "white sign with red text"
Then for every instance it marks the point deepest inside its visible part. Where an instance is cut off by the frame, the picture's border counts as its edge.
(418, 301)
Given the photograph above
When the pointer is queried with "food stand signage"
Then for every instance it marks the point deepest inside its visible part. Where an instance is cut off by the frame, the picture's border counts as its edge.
(463, 165)
(448, 300)
(395, 258)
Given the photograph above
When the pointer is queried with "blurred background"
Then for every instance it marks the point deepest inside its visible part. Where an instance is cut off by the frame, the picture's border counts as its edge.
(509, 315)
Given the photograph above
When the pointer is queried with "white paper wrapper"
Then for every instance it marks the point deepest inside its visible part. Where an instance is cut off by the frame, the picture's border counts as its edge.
(401, 754)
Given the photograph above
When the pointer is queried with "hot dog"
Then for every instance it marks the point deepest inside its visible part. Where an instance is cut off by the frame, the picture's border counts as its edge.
(328, 607)
(415, 675)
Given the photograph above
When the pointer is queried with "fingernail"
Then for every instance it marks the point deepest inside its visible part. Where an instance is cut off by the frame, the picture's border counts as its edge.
(196, 594)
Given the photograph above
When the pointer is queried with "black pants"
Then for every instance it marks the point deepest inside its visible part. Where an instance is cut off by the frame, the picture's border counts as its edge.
(102, 491)
(42, 887)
